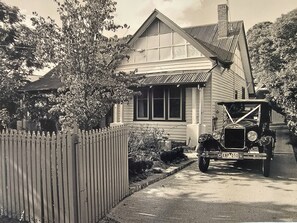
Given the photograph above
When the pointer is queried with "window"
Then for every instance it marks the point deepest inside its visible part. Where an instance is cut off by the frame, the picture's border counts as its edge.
(160, 103)
(159, 43)
(236, 94)
(243, 93)
(142, 105)
(174, 107)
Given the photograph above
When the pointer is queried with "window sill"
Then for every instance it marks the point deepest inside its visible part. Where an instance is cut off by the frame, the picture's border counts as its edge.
(158, 120)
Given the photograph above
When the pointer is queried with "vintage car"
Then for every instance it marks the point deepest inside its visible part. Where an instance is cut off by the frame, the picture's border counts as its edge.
(245, 134)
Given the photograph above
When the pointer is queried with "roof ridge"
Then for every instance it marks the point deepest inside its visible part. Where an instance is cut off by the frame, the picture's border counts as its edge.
(210, 24)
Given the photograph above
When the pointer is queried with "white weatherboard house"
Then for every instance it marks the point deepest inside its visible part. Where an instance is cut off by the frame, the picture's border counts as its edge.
(187, 70)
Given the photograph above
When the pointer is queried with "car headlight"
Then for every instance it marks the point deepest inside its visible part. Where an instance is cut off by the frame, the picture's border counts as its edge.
(252, 136)
(216, 135)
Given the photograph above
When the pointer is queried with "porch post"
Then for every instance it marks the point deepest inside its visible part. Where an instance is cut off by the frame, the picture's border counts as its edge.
(194, 105)
(121, 113)
(202, 127)
(115, 113)
(201, 101)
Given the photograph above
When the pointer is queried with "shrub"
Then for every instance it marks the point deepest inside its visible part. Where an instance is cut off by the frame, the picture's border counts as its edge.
(173, 155)
(144, 143)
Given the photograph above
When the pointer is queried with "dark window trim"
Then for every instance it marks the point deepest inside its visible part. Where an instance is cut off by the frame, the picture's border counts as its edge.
(151, 119)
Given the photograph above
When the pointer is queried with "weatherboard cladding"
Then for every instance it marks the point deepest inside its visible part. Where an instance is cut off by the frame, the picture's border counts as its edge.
(185, 78)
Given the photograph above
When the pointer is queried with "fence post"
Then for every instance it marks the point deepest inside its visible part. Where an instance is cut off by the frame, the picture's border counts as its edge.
(74, 176)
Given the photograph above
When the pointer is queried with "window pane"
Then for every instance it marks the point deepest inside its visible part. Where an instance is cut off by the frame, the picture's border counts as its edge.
(142, 104)
(193, 52)
(175, 103)
(165, 53)
(177, 39)
(140, 43)
(174, 108)
(153, 55)
(165, 40)
(164, 28)
(174, 93)
(153, 29)
(153, 42)
(179, 52)
(159, 93)
(158, 108)
(158, 103)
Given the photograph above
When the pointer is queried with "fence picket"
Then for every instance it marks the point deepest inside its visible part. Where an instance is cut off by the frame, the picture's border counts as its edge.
(84, 189)
(33, 176)
(61, 193)
(100, 172)
(54, 178)
(38, 194)
(50, 178)
(30, 214)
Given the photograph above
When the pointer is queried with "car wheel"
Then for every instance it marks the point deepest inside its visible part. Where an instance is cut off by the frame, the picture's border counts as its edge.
(266, 162)
(203, 164)
(266, 167)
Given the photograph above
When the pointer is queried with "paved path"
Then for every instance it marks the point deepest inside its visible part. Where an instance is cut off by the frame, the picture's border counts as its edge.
(229, 192)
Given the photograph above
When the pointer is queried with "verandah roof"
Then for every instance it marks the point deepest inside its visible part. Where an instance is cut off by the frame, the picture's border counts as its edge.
(181, 79)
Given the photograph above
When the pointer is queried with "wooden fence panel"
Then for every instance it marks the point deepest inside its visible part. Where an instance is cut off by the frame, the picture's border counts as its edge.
(72, 177)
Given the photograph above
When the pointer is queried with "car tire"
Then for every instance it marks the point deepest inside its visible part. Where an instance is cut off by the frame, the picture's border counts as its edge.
(266, 167)
(203, 164)
(266, 162)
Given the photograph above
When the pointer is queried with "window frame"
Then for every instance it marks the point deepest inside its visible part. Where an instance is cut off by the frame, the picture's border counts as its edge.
(181, 105)
(166, 93)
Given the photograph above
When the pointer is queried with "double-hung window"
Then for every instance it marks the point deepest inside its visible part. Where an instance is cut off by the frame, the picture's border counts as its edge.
(160, 104)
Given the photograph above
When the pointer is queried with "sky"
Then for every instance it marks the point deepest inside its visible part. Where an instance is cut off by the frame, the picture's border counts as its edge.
(183, 12)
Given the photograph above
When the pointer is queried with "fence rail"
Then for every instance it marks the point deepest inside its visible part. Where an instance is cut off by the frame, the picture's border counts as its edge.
(72, 177)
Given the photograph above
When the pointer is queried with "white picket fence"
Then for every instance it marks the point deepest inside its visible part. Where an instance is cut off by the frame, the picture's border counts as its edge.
(66, 177)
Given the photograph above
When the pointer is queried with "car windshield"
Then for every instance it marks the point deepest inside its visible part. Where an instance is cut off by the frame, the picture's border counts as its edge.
(240, 110)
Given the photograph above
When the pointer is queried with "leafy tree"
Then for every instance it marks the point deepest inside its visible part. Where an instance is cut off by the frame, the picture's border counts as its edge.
(16, 60)
(273, 51)
(86, 60)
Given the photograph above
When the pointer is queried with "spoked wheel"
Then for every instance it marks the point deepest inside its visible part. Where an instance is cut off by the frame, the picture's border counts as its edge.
(203, 164)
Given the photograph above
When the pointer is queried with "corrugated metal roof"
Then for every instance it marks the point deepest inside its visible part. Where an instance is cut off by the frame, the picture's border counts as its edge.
(182, 79)
(207, 35)
(49, 81)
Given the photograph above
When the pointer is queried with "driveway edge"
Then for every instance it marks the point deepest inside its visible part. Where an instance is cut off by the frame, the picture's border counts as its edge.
(157, 177)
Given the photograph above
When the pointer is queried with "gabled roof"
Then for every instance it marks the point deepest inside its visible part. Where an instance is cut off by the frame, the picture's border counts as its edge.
(48, 82)
(173, 26)
(204, 38)
(223, 48)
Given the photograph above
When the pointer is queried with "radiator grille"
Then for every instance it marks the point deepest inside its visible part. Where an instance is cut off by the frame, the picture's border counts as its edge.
(234, 138)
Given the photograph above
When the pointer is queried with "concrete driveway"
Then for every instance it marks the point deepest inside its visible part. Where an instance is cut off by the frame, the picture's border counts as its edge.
(229, 192)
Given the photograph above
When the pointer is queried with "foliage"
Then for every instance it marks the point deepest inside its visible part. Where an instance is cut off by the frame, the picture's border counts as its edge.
(16, 57)
(144, 142)
(4, 118)
(86, 59)
(273, 52)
